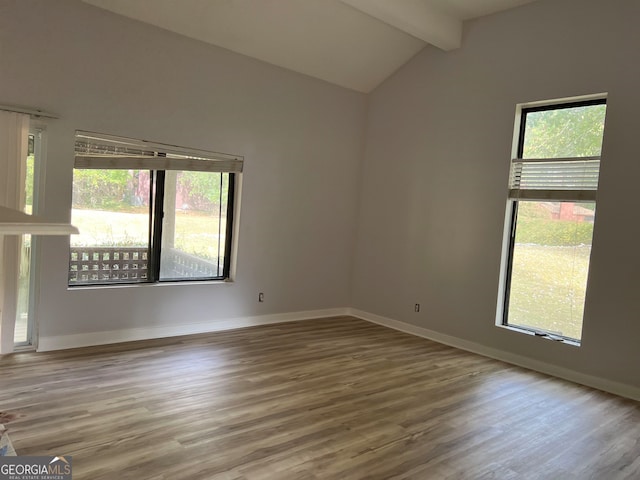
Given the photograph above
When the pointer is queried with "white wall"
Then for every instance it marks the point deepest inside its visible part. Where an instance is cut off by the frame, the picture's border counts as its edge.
(435, 174)
(301, 138)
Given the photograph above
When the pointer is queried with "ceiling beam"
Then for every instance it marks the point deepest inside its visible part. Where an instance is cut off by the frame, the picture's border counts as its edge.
(416, 18)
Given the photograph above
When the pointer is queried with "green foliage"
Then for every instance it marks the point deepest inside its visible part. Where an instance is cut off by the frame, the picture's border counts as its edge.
(102, 188)
(115, 189)
(566, 132)
(29, 180)
(203, 190)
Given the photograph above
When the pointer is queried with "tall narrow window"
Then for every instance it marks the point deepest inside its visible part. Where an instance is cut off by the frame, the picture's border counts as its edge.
(23, 333)
(150, 212)
(552, 209)
(14, 141)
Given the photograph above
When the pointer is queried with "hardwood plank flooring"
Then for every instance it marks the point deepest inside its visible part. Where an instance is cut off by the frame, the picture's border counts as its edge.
(336, 398)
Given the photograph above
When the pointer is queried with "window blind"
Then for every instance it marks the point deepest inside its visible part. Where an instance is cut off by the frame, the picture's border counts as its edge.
(554, 178)
(98, 151)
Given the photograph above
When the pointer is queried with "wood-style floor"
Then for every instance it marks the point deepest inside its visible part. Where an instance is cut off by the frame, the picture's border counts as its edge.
(330, 399)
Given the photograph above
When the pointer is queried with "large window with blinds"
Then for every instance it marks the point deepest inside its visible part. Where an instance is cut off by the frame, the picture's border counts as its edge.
(149, 212)
(551, 213)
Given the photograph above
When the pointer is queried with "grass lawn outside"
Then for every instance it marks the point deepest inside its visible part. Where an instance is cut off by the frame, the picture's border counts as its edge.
(196, 233)
(548, 287)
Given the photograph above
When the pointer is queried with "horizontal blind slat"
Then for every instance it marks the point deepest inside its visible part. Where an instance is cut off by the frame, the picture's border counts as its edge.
(98, 151)
(554, 195)
(556, 159)
(157, 163)
(554, 175)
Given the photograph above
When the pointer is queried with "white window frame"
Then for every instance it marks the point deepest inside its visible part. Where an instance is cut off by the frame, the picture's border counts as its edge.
(38, 130)
(510, 223)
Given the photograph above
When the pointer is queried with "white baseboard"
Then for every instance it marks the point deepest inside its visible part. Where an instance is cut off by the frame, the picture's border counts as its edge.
(62, 342)
(621, 389)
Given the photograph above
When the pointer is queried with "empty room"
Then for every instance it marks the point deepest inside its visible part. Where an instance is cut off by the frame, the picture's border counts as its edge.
(319, 239)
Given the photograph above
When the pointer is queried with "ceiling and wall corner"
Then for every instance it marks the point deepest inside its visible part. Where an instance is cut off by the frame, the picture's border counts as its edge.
(355, 44)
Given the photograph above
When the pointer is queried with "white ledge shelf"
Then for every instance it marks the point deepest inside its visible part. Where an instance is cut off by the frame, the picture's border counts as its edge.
(13, 222)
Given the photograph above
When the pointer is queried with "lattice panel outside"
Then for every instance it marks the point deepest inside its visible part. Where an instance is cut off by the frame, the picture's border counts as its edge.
(89, 265)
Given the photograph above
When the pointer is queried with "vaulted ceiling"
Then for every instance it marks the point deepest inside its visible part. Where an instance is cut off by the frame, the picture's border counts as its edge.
(356, 44)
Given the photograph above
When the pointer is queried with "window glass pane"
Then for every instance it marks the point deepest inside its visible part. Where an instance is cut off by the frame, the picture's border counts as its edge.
(111, 210)
(550, 265)
(564, 132)
(194, 224)
(21, 332)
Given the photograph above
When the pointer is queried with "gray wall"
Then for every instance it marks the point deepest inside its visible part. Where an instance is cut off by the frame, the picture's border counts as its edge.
(302, 141)
(439, 139)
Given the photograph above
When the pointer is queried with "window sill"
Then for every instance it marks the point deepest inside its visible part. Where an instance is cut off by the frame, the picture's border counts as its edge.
(148, 285)
(551, 338)
(24, 348)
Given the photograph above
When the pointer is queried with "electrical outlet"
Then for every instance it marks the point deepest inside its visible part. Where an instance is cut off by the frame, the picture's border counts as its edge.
(261, 297)
(416, 308)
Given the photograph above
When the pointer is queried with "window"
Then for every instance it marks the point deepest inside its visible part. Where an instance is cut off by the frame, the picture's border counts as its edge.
(551, 213)
(23, 332)
(150, 212)
(20, 169)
